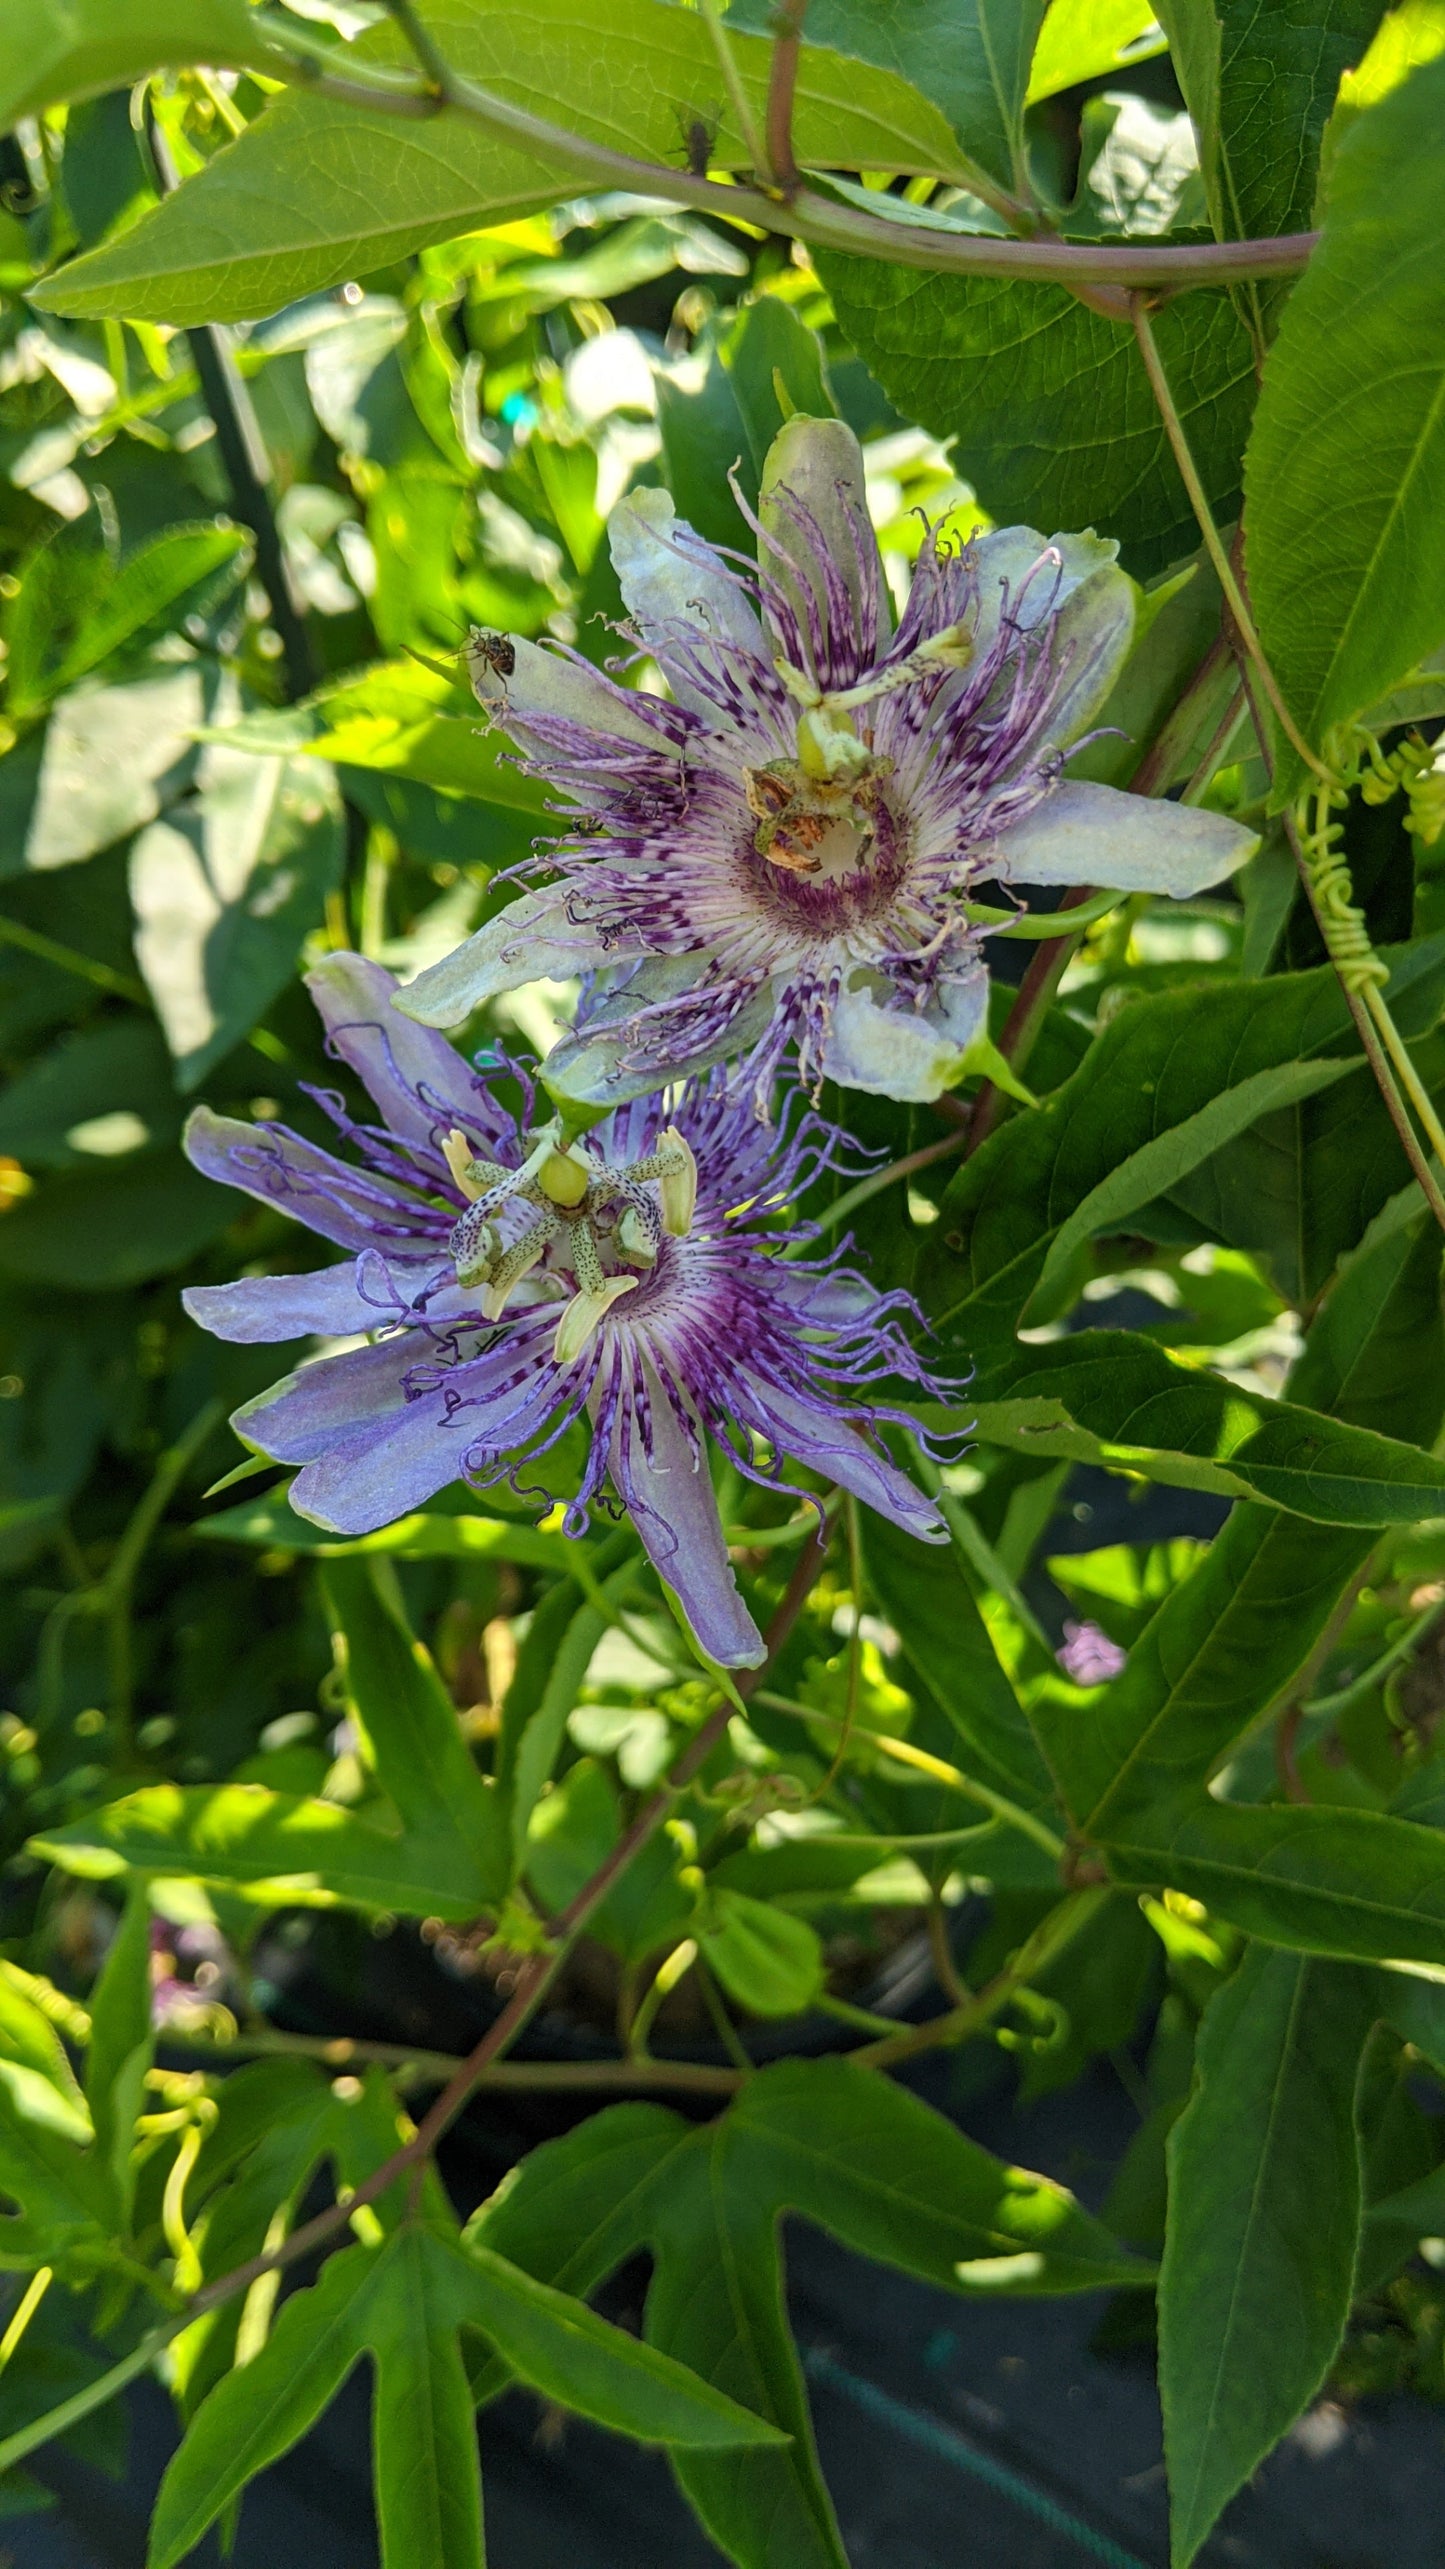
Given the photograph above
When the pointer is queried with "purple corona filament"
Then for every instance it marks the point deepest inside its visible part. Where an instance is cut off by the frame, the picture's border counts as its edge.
(783, 851)
(674, 1297)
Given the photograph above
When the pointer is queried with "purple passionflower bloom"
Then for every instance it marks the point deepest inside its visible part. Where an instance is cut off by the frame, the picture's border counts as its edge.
(782, 851)
(509, 1283)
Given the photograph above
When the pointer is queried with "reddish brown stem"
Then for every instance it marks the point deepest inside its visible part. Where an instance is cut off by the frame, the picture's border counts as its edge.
(782, 85)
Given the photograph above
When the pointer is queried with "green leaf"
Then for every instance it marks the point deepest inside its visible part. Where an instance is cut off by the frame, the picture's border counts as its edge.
(716, 2303)
(29, 2040)
(184, 571)
(103, 1092)
(278, 1849)
(315, 192)
(973, 56)
(404, 2304)
(1301, 1189)
(1152, 1072)
(574, 1828)
(73, 48)
(532, 1730)
(1264, 2215)
(423, 2422)
(1048, 404)
(574, 2209)
(64, 2207)
(1353, 400)
(847, 2150)
(257, 2414)
(1375, 1353)
(1229, 1639)
(892, 2179)
(1357, 1884)
(1082, 39)
(225, 889)
(770, 348)
(109, 760)
(770, 1962)
(122, 2041)
(1259, 83)
(927, 1599)
(409, 1722)
(1219, 1650)
(119, 1223)
(1157, 1164)
(1107, 1396)
(703, 440)
(565, 2351)
(268, 1525)
(398, 718)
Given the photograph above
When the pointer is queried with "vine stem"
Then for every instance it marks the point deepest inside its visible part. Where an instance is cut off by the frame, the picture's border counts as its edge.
(867, 1187)
(1365, 1027)
(782, 88)
(1367, 1005)
(1048, 1940)
(809, 216)
(423, 2068)
(1214, 542)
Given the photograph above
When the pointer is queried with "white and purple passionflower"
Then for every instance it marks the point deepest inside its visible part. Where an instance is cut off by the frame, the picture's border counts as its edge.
(782, 850)
(508, 1282)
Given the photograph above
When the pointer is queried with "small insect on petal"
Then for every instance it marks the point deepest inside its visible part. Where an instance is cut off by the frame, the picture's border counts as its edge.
(583, 1315)
(678, 1187)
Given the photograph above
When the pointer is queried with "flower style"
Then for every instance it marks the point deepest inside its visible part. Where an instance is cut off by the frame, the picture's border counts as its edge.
(509, 1283)
(783, 851)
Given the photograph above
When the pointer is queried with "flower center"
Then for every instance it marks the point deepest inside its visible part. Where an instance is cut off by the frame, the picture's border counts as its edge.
(589, 1211)
(816, 814)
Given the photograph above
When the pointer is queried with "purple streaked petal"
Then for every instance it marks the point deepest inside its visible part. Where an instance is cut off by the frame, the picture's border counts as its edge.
(666, 1020)
(325, 1304)
(674, 585)
(350, 1206)
(420, 1082)
(832, 1301)
(1094, 834)
(822, 553)
(323, 1404)
(662, 1475)
(828, 1443)
(533, 939)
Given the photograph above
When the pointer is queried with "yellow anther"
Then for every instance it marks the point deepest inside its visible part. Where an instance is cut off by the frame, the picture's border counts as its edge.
(459, 1156)
(678, 1183)
(584, 1314)
(564, 1179)
(633, 1242)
